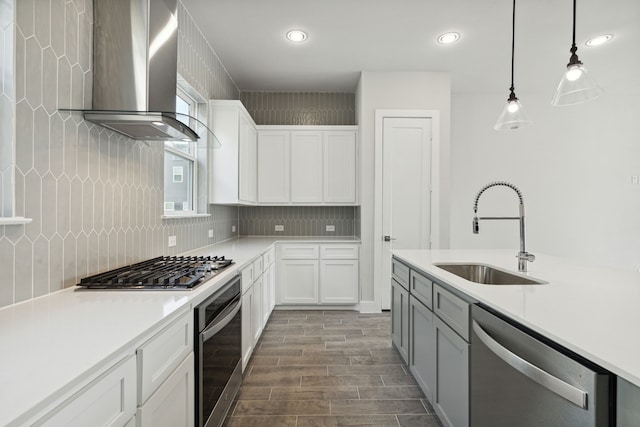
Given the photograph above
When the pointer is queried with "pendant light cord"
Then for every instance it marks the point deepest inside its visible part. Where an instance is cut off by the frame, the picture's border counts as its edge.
(513, 41)
(573, 60)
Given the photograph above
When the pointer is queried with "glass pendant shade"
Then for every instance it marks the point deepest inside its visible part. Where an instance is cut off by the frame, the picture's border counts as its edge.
(512, 117)
(576, 87)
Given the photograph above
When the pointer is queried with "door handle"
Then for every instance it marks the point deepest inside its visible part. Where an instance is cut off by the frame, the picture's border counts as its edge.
(565, 390)
(389, 238)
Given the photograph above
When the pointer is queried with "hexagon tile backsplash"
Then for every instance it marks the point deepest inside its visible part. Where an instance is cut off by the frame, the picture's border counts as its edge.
(95, 197)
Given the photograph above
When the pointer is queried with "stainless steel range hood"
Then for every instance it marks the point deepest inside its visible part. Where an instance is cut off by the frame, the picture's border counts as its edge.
(135, 53)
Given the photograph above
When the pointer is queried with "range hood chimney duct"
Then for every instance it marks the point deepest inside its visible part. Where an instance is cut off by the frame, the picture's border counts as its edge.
(135, 53)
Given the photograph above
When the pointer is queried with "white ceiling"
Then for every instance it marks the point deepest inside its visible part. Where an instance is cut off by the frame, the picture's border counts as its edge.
(348, 36)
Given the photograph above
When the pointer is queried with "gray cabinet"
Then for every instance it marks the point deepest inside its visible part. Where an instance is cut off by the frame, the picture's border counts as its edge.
(422, 346)
(400, 319)
(430, 329)
(451, 394)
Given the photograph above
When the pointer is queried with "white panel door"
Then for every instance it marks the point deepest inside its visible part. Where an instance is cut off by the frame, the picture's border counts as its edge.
(406, 190)
(273, 167)
(340, 167)
(306, 167)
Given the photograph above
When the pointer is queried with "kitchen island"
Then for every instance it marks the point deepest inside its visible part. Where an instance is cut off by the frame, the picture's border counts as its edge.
(587, 309)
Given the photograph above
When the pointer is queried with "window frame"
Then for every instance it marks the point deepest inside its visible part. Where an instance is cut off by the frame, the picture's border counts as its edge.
(191, 157)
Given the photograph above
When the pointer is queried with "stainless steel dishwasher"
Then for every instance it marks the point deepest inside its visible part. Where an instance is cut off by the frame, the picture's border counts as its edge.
(519, 378)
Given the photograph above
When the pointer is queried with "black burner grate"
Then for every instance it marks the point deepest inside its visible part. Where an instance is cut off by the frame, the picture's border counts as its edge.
(164, 272)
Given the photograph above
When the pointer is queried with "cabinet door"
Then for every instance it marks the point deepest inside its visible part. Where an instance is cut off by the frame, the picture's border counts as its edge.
(339, 281)
(340, 167)
(451, 395)
(273, 167)
(422, 346)
(248, 161)
(298, 281)
(266, 297)
(247, 336)
(110, 400)
(272, 285)
(160, 355)
(306, 167)
(172, 404)
(256, 311)
(400, 319)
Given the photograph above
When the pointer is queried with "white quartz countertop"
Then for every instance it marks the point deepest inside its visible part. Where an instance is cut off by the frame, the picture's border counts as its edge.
(50, 345)
(590, 310)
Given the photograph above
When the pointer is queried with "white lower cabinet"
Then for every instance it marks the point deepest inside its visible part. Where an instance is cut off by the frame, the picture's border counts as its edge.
(159, 356)
(172, 405)
(247, 335)
(298, 281)
(256, 311)
(258, 289)
(318, 274)
(166, 376)
(338, 277)
(109, 400)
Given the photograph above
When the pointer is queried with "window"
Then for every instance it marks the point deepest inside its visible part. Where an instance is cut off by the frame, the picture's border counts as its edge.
(181, 165)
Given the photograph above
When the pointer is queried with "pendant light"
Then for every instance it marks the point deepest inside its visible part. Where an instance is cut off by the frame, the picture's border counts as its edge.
(575, 86)
(512, 116)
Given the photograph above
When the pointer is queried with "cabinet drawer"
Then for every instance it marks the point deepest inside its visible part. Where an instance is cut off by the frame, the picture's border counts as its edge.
(452, 309)
(162, 354)
(172, 405)
(339, 251)
(247, 278)
(257, 267)
(400, 272)
(421, 288)
(299, 252)
(109, 400)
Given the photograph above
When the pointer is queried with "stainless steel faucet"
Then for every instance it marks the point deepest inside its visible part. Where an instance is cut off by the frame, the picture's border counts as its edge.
(523, 256)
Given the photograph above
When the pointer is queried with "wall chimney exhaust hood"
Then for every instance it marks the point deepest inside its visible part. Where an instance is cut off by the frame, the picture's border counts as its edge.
(135, 53)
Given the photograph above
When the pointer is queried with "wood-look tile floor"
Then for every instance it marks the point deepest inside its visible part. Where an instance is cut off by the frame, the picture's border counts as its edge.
(328, 368)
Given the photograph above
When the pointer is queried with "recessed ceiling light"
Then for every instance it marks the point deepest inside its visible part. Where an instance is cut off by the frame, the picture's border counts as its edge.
(297, 35)
(598, 40)
(447, 38)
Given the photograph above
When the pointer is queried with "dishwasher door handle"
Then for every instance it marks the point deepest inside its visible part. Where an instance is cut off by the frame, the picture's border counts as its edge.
(563, 389)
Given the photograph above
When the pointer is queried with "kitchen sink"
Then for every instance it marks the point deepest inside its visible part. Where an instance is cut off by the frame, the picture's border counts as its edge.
(487, 275)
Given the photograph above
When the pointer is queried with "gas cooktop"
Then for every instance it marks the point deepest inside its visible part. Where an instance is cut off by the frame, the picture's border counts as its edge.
(161, 273)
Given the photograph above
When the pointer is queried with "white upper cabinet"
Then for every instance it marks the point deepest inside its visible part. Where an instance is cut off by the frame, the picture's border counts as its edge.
(340, 171)
(232, 168)
(273, 167)
(308, 165)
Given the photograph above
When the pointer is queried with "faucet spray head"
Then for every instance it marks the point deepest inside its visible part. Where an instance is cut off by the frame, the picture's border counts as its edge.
(476, 225)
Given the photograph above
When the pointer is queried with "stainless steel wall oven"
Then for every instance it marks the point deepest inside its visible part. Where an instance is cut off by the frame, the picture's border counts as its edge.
(218, 351)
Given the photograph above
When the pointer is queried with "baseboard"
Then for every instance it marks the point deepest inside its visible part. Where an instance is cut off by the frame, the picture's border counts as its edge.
(369, 307)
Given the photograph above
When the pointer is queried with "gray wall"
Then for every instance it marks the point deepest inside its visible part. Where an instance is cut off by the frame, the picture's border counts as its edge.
(300, 108)
(95, 197)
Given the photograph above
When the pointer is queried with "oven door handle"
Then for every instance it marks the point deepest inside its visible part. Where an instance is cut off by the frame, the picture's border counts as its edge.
(545, 379)
(227, 315)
